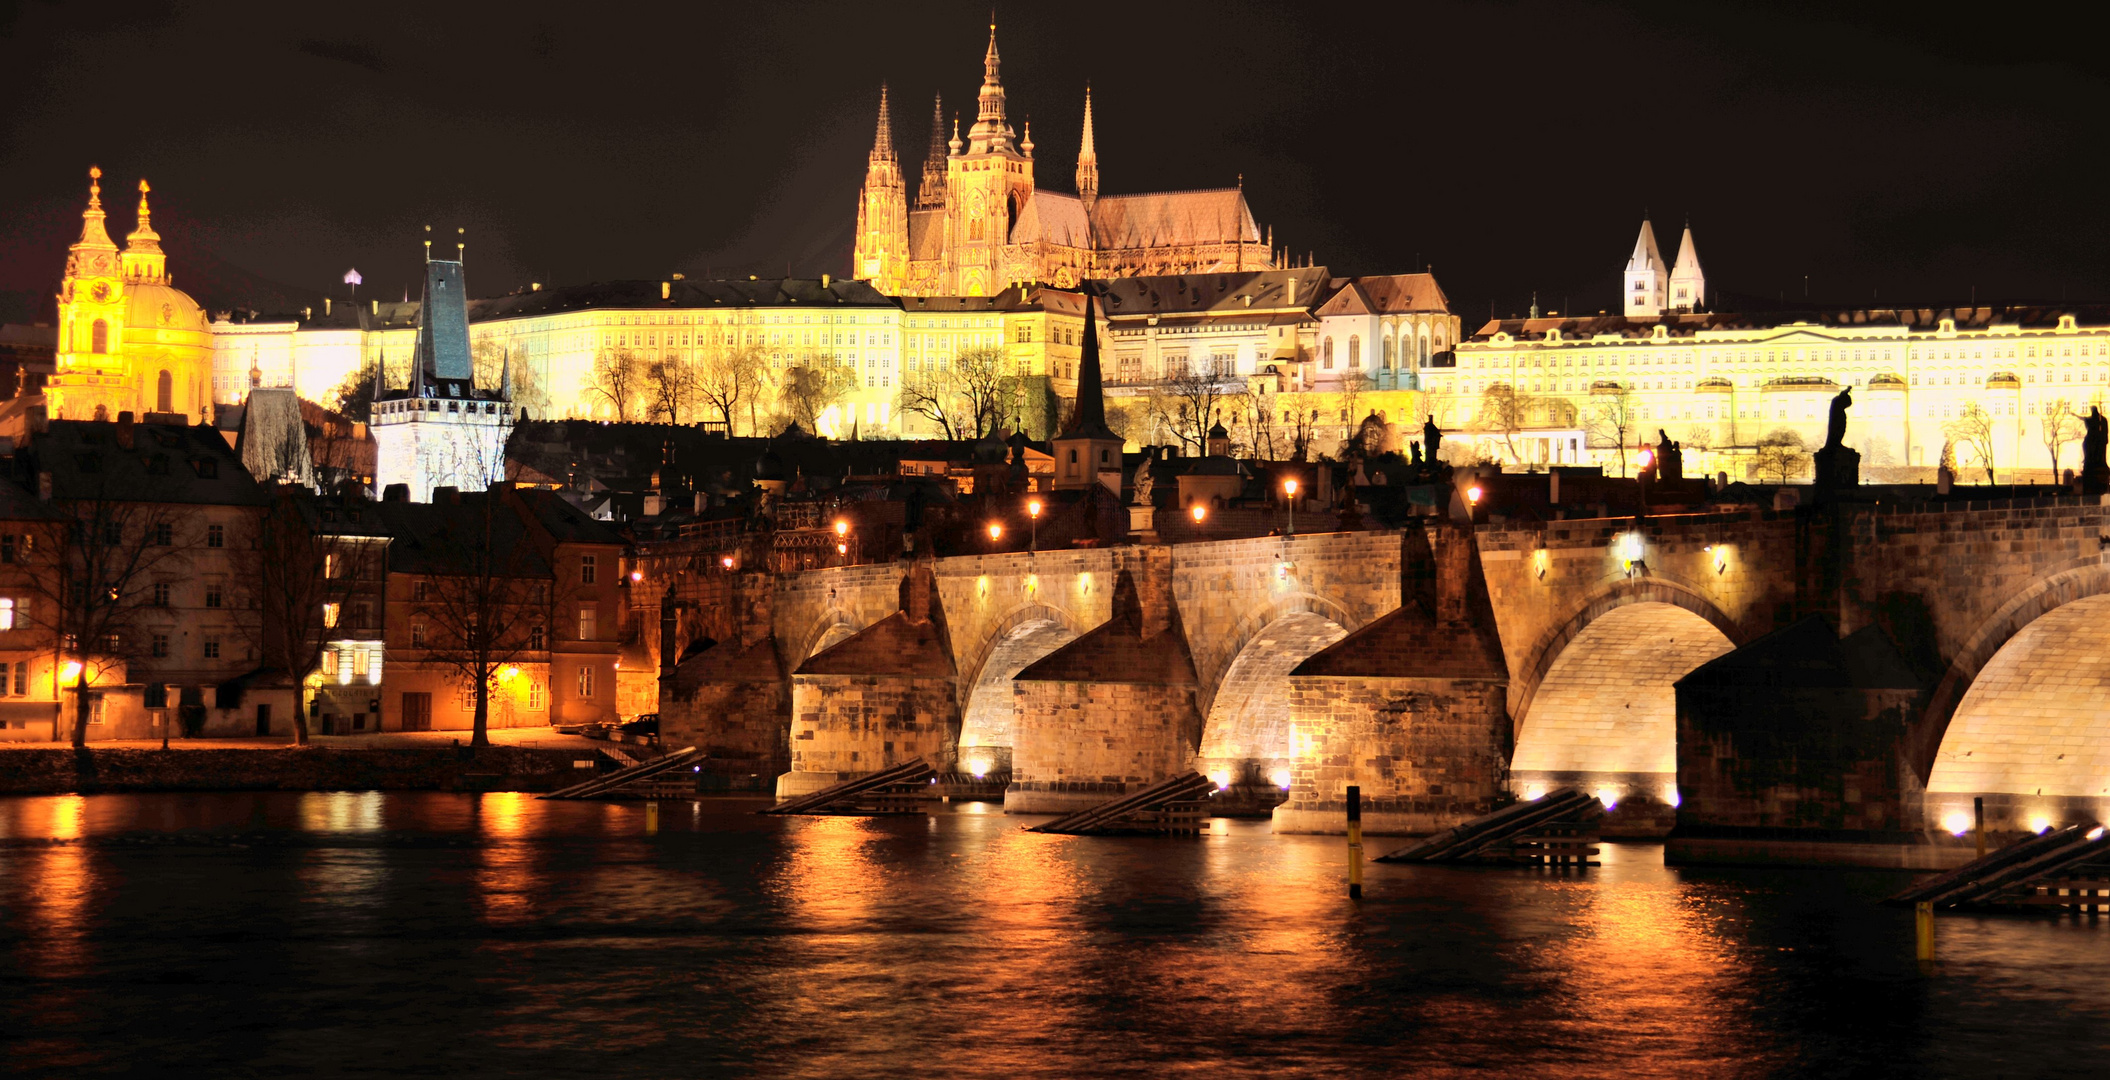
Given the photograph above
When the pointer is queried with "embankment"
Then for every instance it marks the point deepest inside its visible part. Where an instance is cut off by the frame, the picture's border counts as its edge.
(491, 768)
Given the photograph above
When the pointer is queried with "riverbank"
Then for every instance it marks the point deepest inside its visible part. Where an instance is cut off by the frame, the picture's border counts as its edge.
(98, 769)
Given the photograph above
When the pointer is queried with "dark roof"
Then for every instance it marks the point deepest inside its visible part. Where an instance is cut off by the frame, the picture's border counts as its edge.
(426, 534)
(166, 463)
(760, 292)
(1223, 293)
(18, 503)
(563, 521)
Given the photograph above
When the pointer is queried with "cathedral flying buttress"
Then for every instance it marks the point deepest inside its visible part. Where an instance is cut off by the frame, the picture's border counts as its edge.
(979, 223)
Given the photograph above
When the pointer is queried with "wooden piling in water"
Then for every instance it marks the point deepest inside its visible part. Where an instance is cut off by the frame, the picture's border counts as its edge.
(1355, 842)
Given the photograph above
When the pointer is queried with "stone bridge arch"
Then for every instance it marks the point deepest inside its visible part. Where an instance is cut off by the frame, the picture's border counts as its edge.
(1595, 707)
(2021, 715)
(1246, 729)
(1016, 639)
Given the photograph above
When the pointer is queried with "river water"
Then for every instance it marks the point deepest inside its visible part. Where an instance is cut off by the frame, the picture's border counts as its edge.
(420, 934)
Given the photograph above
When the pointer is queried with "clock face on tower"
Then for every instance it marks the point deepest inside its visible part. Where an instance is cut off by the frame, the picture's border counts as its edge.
(102, 291)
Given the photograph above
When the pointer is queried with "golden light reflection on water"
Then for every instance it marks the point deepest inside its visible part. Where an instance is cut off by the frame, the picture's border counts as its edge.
(60, 883)
(1651, 958)
(507, 877)
(341, 811)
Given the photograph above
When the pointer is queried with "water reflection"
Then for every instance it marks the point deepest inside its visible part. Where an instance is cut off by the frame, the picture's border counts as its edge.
(263, 933)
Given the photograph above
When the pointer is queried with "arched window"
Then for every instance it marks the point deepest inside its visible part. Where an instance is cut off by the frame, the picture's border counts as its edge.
(1355, 350)
(99, 337)
(1326, 354)
(165, 393)
(1390, 344)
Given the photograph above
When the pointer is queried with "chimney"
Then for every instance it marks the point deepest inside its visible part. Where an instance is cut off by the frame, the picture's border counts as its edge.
(395, 493)
(325, 305)
(124, 429)
(377, 307)
(666, 290)
(534, 286)
(824, 281)
(447, 495)
(44, 485)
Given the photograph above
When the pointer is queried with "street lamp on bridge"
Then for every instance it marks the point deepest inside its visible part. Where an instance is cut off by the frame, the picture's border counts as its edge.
(1289, 489)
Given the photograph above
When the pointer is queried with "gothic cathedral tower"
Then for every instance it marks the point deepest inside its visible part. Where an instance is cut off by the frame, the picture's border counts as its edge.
(988, 181)
(882, 212)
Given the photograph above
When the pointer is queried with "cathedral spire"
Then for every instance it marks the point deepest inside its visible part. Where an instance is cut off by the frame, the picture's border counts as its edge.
(883, 142)
(932, 193)
(990, 131)
(1688, 283)
(1088, 158)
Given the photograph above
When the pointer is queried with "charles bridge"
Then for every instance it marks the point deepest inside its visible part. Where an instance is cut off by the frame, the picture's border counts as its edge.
(1856, 672)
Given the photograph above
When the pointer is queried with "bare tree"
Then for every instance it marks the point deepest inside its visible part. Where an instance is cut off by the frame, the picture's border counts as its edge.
(670, 390)
(969, 398)
(302, 581)
(1781, 455)
(481, 607)
(1611, 418)
(1353, 384)
(96, 591)
(354, 397)
(1973, 427)
(618, 378)
(1501, 413)
(1185, 405)
(2060, 424)
(728, 376)
(808, 389)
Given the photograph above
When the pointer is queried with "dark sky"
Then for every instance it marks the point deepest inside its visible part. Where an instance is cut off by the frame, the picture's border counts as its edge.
(1512, 145)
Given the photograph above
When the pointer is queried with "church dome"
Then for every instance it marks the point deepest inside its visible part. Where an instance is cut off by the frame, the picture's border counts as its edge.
(162, 307)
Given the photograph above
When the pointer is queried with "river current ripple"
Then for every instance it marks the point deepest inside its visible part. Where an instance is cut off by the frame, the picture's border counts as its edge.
(367, 934)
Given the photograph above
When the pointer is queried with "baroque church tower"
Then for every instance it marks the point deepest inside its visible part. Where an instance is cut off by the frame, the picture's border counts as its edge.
(129, 341)
(882, 212)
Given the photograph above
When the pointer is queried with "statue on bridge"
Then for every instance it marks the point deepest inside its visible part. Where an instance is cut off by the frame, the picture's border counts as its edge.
(1145, 482)
(2095, 452)
(1838, 465)
(1431, 438)
(1670, 457)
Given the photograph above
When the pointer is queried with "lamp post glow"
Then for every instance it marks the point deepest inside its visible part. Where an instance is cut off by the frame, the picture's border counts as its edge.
(1199, 511)
(842, 538)
(996, 532)
(1289, 488)
(1033, 513)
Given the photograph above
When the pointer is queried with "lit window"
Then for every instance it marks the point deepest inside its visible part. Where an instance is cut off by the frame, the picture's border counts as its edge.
(588, 615)
(360, 661)
(329, 662)
(586, 682)
(7, 613)
(538, 695)
(329, 615)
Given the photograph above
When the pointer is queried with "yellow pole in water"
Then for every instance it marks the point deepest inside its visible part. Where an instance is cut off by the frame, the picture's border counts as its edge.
(1355, 842)
(651, 818)
(1978, 808)
(1923, 920)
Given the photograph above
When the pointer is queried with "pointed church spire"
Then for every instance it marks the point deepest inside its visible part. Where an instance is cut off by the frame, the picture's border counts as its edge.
(381, 376)
(1688, 283)
(990, 131)
(1088, 420)
(932, 193)
(883, 142)
(1646, 279)
(1087, 158)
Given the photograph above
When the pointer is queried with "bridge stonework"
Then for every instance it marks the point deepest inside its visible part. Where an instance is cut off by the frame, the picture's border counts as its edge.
(1601, 614)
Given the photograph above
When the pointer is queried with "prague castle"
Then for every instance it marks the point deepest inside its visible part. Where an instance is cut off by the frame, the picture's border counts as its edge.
(129, 340)
(981, 224)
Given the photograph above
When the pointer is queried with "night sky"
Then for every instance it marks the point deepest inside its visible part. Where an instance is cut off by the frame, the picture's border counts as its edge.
(1892, 153)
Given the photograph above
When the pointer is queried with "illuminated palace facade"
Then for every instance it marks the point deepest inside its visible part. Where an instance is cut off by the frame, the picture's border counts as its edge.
(2002, 382)
(129, 341)
(979, 223)
(550, 339)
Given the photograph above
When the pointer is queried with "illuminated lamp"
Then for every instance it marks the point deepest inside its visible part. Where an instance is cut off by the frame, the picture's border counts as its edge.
(1281, 778)
(1957, 822)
